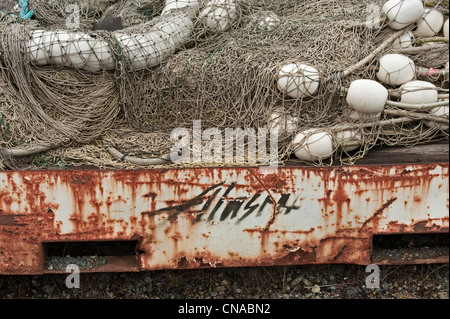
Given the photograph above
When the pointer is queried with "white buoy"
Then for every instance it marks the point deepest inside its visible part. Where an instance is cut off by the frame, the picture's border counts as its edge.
(80, 50)
(396, 69)
(445, 28)
(397, 26)
(218, 15)
(404, 41)
(298, 80)
(403, 11)
(430, 24)
(438, 111)
(179, 4)
(281, 123)
(418, 92)
(265, 20)
(269, 22)
(367, 96)
(313, 145)
(100, 58)
(346, 136)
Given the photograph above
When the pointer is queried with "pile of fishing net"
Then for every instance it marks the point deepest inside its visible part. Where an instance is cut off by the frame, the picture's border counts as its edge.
(140, 83)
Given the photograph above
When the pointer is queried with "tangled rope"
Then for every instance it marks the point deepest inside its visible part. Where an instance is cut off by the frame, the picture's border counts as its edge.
(226, 63)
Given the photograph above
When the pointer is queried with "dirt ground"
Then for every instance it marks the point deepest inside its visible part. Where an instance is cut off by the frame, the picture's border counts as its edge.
(289, 282)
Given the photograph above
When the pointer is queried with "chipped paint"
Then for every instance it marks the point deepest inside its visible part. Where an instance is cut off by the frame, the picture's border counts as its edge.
(220, 217)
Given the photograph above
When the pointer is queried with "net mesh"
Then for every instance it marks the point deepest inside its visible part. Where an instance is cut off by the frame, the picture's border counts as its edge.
(94, 75)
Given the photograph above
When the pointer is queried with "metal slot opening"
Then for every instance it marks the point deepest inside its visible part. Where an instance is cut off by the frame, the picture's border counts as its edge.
(92, 256)
(410, 248)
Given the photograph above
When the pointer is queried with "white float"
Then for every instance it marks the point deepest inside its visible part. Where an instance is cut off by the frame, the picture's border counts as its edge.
(396, 69)
(366, 117)
(346, 136)
(430, 24)
(269, 22)
(218, 15)
(445, 28)
(298, 80)
(418, 92)
(402, 12)
(62, 48)
(80, 50)
(313, 145)
(438, 111)
(404, 41)
(281, 123)
(367, 96)
(398, 26)
(179, 4)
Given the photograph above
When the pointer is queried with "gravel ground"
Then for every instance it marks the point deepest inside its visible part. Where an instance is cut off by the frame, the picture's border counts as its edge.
(289, 282)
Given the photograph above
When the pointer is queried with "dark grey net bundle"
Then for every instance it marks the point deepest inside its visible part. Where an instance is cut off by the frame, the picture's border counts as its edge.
(111, 91)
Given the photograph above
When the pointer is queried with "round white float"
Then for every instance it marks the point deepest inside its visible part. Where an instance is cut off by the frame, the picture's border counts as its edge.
(396, 69)
(218, 15)
(298, 80)
(397, 26)
(269, 22)
(313, 145)
(281, 123)
(418, 92)
(403, 11)
(404, 41)
(348, 135)
(367, 96)
(438, 111)
(430, 24)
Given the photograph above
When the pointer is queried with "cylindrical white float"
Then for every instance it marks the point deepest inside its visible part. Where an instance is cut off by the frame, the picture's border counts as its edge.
(346, 136)
(430, 24)
(438, 111)
(298, 80)
(179, 4)
(396, 69)
(218, 15)
(418, 92)
(80, 50)
(403, 11)
(367, 96)
(313, 145)
(70, 49)
(404, 41)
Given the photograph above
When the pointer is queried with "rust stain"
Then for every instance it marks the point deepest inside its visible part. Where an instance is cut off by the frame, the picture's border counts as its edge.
(379, 212)
(171, 209)
(274, 210)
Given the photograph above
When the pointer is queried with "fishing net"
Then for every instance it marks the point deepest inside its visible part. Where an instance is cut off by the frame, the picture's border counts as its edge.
(106, 83)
